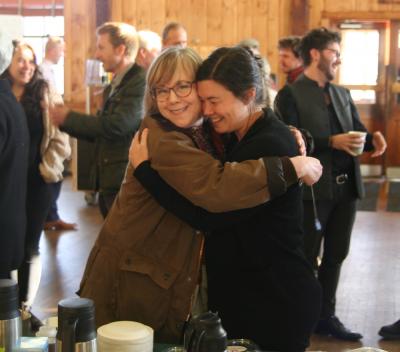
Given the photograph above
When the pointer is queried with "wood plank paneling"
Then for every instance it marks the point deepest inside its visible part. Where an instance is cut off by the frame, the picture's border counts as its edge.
(214, 27)
(268, 48)
(316, 8)
(117, 10)
(244, 20)
(260, 20)
(229, 19)
(129, 14)
(157, 15)
(143, 14)
(173, 11)
(340, 5)
(80, 45)
(199, 31)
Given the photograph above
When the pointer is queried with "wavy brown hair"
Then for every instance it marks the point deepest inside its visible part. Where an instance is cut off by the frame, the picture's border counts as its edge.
(35, 89)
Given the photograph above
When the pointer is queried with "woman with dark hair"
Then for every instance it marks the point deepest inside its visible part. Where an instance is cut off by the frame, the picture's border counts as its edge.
(47, 151)
(259, 280)
(145, 263)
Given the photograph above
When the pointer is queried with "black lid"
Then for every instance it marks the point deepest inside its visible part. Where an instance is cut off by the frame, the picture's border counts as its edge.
(81, 311)
(8, 299)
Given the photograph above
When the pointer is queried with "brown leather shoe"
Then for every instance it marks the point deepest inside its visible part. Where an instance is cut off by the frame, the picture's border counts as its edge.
(60, 225)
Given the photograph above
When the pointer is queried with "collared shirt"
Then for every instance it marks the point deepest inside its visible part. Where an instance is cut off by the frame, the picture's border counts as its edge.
(47, 68)
(292, 75)
(116, 81)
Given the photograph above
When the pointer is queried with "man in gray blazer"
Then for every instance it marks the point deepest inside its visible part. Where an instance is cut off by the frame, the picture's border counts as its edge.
(328, 112)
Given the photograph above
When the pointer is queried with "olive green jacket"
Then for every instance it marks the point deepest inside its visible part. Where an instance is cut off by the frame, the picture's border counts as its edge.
(111, 130)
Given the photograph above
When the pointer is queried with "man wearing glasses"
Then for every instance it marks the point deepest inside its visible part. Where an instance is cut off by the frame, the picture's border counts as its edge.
(113, 127)
(328, 112)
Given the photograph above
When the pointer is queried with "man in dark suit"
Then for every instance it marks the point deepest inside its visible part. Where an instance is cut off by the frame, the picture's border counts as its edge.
(14, 143)
(328, 112)
(113, 127)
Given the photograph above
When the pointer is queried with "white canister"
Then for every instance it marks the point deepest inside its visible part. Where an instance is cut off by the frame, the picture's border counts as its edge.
(125, 336)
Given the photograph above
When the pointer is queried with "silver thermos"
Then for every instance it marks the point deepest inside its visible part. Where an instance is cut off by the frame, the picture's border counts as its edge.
(76, 326)
(10, 316)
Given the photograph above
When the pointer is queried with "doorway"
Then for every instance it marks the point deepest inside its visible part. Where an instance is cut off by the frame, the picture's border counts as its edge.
(365, 52)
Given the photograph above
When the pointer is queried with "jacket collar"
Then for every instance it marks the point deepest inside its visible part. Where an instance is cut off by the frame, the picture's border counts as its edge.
(292, 75)
(126, 77)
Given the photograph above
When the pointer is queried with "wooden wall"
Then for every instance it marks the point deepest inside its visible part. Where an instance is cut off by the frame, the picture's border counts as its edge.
(212, 23)
(80, 39)
(323, 11)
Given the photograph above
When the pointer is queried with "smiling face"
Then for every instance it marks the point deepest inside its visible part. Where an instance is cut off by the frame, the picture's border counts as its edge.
(182, 111)
(226, 112)
(110, 56)
(22, 66)
(329, 61)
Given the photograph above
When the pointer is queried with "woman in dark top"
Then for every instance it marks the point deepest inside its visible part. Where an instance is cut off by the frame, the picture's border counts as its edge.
(258, 278)
(47, 150)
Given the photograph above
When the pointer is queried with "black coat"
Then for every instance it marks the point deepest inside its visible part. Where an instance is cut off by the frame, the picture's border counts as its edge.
(14, 144)
(258, 278)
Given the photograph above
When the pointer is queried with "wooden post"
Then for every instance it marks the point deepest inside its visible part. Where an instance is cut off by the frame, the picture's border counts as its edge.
(300, 16)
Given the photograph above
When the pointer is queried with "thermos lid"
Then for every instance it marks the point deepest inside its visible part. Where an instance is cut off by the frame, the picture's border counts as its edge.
(9, 299)
(80, 310)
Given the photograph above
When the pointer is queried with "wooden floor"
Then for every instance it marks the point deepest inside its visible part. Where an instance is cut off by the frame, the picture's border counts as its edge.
(368, 296)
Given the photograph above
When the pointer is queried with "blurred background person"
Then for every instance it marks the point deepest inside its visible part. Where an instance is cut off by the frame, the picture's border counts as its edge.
(14, 142)
(54, 51)
(48, 148)
(174, 34)
(269, 84)
(116, 122)
(290, 60)
(149, 48)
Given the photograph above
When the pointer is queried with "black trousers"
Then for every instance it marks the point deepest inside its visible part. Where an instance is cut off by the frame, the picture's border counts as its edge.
(53, 212)
(38, 201)
(337, 218)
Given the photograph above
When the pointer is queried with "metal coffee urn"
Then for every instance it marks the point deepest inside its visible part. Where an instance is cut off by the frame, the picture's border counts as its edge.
(10, 316)
(76, 326)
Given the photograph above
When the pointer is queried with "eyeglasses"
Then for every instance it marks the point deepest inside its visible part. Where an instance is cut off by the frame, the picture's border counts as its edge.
(336, 52)
(182, 89)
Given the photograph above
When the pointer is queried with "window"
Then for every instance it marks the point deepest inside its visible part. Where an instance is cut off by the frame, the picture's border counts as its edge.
(36, 29)
(360, 59)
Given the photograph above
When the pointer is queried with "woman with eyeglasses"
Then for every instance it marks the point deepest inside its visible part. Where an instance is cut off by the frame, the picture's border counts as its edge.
(48, 149)
(259, 280)
(145, 263)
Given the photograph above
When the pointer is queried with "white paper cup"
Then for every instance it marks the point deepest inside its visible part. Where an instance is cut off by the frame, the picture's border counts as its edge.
(359, 150)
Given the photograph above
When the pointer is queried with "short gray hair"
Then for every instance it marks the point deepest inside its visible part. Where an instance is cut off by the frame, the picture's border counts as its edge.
(149, 40)
(6, 50)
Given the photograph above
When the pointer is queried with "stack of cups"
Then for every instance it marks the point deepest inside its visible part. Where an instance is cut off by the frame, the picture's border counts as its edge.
(125, 336)
(10, 317)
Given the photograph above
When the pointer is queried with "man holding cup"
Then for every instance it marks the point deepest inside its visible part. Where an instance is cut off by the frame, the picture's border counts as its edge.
(328, 112)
